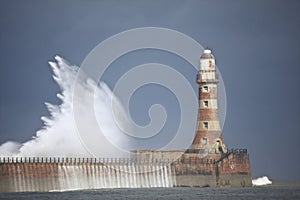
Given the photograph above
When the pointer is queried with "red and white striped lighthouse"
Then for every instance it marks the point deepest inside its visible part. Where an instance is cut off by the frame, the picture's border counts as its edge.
(208, 139)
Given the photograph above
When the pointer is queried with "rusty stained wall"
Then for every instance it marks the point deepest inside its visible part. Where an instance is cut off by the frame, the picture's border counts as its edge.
(37, 170)
(234, 171)
(194, 168)
(237, 163)
(230, 170)
(30, 170)
(28, 177)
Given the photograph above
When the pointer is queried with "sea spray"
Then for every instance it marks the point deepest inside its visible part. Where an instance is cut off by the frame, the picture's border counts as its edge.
(261, 181)
(58, 137)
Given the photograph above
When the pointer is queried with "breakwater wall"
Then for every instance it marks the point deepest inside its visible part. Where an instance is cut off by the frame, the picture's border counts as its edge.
(50, 174)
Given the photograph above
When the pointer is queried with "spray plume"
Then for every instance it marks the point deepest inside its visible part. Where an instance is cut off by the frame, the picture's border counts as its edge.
(59, 136)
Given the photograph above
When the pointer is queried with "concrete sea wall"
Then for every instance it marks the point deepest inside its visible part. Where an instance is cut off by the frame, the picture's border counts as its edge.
(47, 174)
(229, 170)
(234, 169)
(27, 175)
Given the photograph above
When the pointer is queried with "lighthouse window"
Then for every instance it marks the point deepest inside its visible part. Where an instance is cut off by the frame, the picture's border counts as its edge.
(205, 104)
(205, 125)
(204, 140)
(205, 88)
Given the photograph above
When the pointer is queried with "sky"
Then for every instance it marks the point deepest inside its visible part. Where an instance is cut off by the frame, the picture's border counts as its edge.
(256, 44)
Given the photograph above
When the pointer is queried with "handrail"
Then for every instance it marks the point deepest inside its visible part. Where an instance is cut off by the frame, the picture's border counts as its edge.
(75, 160)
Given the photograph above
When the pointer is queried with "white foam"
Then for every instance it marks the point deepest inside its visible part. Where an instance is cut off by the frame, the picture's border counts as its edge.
(66, 190)
(59, 137)
(261, 181)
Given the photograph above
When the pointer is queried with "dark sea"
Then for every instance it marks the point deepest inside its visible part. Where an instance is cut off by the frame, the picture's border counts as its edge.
(278, 190)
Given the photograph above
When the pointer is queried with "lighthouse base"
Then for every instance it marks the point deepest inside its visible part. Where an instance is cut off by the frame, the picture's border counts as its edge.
(227, 170)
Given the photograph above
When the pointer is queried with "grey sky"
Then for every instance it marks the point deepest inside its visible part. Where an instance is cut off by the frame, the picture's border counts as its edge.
(256, 44)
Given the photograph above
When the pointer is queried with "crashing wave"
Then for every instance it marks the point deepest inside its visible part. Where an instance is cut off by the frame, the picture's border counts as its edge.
(261, 181)
(59, 135)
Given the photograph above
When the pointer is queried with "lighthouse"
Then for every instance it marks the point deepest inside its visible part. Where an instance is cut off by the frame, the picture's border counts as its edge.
(208, 141)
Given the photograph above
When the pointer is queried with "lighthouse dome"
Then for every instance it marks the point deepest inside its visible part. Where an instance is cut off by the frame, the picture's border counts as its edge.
(207, 54)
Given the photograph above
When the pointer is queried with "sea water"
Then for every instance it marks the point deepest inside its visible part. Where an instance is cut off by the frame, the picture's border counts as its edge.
(278, 190)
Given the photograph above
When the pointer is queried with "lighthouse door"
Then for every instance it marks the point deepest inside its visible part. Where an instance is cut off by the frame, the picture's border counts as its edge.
(219, 146)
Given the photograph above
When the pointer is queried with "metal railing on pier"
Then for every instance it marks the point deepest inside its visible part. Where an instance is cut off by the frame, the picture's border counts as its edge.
(237, 151)
(75, 160)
